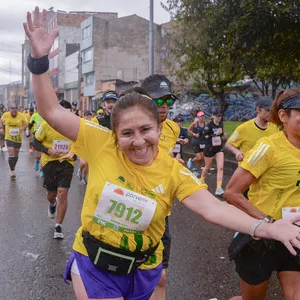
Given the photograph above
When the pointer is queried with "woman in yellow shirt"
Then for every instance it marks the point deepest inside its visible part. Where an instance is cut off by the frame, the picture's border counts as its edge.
(117, 252)
(272, 171)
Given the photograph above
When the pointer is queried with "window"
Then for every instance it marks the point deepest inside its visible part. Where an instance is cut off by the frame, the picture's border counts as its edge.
(87, 55)
(89, 80)
(55, 45)
(86, 32)
(55, 62)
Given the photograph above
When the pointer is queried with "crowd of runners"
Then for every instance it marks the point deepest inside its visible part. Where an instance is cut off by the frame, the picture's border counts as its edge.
(132, 161)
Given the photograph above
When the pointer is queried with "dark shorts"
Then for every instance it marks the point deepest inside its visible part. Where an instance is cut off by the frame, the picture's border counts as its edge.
(57, 175)
(99, 284)
(211, 151)
(11, 144)
(166, 239)
(1, 137)
(198, 148)
(259, 259)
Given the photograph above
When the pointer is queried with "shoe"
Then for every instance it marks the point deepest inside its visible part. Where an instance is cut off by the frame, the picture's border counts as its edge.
(85, 180)
(41, 173)
(52, 210)
(30, 150)
(189, 163)
(36, 165)
(219, 191)
(13, 174)
(79, 175)
(58, 232)
(196, 173)
(1, 149)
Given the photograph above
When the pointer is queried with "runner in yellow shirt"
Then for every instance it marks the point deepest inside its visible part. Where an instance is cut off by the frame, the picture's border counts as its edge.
(58, 165)
(123, 216)
(14, 123)
(247, 134)
(272, 169)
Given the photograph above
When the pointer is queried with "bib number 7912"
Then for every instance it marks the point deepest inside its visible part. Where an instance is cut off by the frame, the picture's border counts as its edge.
(118, 209)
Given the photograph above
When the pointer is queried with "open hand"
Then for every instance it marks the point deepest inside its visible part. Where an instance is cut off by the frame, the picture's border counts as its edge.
(40, 41)
(286, 232)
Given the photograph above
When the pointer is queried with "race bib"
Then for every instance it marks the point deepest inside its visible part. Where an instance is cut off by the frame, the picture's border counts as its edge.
(177, 148)
(61, 146)
(202, 146)
(123, 210)
(216, 141)
(288, 212)
(14, 131)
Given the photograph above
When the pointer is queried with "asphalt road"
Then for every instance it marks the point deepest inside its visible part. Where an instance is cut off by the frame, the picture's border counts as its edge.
(33, 263)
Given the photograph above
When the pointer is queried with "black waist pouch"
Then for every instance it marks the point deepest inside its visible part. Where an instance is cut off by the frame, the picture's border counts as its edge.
(111, 259)
(237, 244)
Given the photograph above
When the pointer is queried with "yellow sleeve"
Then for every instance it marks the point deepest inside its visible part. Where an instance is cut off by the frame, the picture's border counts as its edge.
(185, 181)
(3, 119)
(259, 158)
(95, 120)
(40, 134)
(91, 140)
(236, 137)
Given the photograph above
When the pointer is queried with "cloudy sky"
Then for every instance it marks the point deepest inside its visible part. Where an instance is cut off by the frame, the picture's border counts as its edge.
(13, 14)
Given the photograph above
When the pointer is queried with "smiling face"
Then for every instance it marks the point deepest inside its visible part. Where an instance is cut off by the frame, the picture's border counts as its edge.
(138, 136)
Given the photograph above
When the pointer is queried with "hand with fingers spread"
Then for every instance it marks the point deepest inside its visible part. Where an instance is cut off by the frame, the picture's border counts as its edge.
(40, 40)
(286, 232)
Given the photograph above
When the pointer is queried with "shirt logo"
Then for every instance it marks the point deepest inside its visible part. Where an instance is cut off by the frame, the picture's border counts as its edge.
(159, 189)
(256, 156)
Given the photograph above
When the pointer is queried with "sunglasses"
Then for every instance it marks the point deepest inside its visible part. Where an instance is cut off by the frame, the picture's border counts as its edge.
(160, 102)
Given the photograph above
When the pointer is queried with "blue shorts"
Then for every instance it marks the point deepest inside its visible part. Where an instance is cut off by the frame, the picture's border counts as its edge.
(100, 284)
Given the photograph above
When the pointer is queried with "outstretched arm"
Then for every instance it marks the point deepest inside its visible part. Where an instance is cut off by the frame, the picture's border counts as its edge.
(226, 215)
(41, 42)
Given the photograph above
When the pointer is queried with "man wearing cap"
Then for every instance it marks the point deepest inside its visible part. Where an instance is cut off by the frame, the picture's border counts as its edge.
(109, 100)
(158, 87)
(74, 108)
(246, 135)
(14, 124)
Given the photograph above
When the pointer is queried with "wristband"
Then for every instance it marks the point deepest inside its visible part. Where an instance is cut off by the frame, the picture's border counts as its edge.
(38, 65)
(254, 227)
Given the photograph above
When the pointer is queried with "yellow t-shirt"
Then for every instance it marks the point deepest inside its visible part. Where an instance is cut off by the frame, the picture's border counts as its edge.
(275, 162)
(111, 176)
(13, 126)
(169, 135)
(247, 134)
(51, 139)
(27, 117)
(95, 120)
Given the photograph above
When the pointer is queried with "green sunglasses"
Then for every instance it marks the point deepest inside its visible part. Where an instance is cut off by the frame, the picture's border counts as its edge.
(160, 102)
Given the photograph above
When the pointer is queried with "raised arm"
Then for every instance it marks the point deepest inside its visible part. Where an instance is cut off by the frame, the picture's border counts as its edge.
(41, 42)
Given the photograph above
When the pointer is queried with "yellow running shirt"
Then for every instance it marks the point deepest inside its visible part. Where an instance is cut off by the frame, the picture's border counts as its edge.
(126, 204)
(95, 120)
(169, 135)
(247, 134)
(51, 139)
(275, 162)
(13, 126)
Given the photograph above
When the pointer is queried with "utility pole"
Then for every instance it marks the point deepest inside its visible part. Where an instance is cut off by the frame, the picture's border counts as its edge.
(79, 77)
(151, 40)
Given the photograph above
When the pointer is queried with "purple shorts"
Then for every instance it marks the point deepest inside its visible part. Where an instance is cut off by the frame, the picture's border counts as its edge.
(100, 284)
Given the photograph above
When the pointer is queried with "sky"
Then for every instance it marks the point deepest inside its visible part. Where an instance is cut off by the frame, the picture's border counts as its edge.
(13, 14)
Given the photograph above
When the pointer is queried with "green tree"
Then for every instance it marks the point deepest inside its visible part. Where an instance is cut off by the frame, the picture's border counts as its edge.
(217, 42)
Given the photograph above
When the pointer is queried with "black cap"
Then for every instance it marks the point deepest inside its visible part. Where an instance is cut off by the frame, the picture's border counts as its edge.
(157, 86)
(217, 111)
(264, 102)
(74, 103)
(87, 113)
(110, 95)
(178, 119)
(66, 104)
